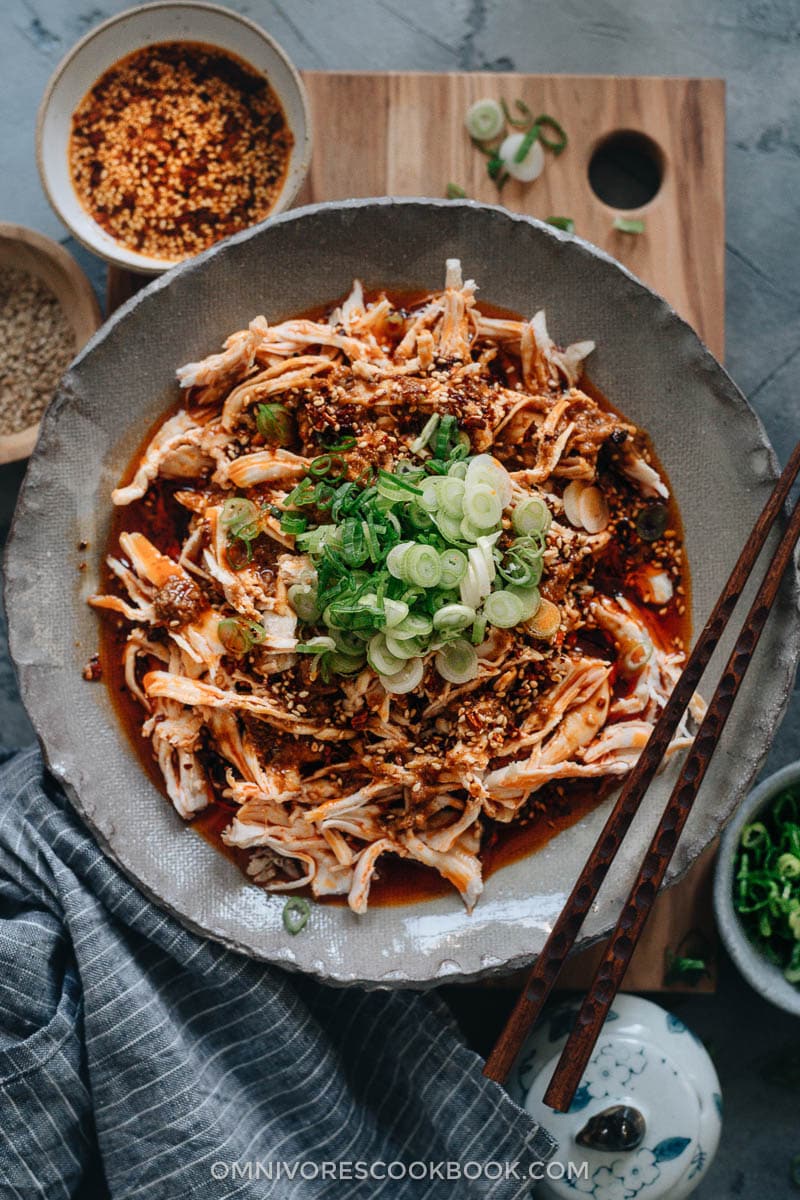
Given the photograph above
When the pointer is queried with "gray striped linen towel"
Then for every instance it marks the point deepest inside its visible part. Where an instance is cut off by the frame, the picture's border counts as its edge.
(138, 1060)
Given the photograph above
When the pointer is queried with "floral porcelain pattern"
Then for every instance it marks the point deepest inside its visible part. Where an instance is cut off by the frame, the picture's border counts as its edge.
(648, 1059)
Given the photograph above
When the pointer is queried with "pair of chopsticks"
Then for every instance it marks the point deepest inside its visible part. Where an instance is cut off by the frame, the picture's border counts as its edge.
(623, 941)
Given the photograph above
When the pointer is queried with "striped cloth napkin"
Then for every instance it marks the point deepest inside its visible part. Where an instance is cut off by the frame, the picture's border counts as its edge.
(140, 1061)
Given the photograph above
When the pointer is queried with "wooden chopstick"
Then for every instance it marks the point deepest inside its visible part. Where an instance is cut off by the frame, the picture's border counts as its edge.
(545, 971)
(617, 954)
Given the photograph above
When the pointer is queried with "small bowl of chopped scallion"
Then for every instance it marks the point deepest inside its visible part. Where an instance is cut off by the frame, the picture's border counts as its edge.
(757, 889)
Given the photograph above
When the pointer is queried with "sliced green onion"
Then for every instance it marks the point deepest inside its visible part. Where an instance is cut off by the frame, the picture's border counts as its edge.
(503, 609)
(371, 539)
(406, 679)
(314, 540)
(342, 446)
(565, 223)
(453, 616)
(458, 470)
(766, 892)
(395, 612)
(415, 625)
(454, 567)
(470, 532)
(345, 664)
(529, 598)
(451, 496)
(531, 164)
(354, 546)
(531, 516)
(479, 629)
(238, 511)
(484, 120)
(457, 662)
(447, 426)
(531, 135)
(449, 527)
(292, 523)
(350, 642)
(404, 648)
(316, 645)
(418, 517)
(239, 636)
(296, 912)
(523, 120)
(495, 169)
(557, 144)
(304, 493)
(485, 469)
(396, 559)
(482, 506)
(380, 658)
(788, 866)
(394, 487)
(455, 191)
(521, 571)
(274, 423)
(428, 430)
(629, 224)
(303, 599)
(429, 499)
(423, 567)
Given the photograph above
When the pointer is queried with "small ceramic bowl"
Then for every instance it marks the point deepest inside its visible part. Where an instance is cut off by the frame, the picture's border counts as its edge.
(123, 35)
(765, 977)
(26, 250)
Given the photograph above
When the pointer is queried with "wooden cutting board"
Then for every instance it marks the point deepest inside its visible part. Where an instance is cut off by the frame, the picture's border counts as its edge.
(403, 134)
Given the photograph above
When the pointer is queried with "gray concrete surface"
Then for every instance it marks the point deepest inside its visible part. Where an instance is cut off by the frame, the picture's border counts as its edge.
(755, 46)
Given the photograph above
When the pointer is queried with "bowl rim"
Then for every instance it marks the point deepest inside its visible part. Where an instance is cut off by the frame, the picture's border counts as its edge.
(16, 446)
(448, 963)
(763, 976)
(285, 197)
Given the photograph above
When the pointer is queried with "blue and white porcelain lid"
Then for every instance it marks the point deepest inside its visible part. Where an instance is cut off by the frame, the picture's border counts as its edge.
(647, 1061)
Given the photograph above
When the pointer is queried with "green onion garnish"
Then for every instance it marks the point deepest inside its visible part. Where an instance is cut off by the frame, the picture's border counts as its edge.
(455, 192)
(291, 523)
(530, 137)
(564, 223)
(406, 568)
(524, 120)
(239, 636)
(240, 518)
(274, 423)
(296, 912)
(766, 893)
(561, 140)
(629, 224)
(484, 120)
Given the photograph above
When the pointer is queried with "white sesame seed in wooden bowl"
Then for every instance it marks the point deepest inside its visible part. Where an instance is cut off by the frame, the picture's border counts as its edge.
(125, 186)
(33, 270)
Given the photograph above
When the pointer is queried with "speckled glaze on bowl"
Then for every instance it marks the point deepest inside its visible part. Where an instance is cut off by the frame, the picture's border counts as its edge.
(765, 977)
(648, 362)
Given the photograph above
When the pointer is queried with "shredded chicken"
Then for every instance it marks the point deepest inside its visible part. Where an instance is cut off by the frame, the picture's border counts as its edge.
(327, 778)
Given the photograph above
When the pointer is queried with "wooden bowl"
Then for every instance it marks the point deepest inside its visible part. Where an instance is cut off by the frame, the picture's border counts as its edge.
(27, 250)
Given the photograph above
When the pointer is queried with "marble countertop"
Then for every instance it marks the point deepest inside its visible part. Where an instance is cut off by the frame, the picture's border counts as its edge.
(755, 46)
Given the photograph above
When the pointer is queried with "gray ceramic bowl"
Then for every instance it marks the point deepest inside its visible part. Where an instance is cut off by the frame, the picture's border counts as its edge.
(648, 362)
(762, 975)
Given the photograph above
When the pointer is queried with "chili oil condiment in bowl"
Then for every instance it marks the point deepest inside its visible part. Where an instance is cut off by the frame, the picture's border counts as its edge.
(168, 128)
